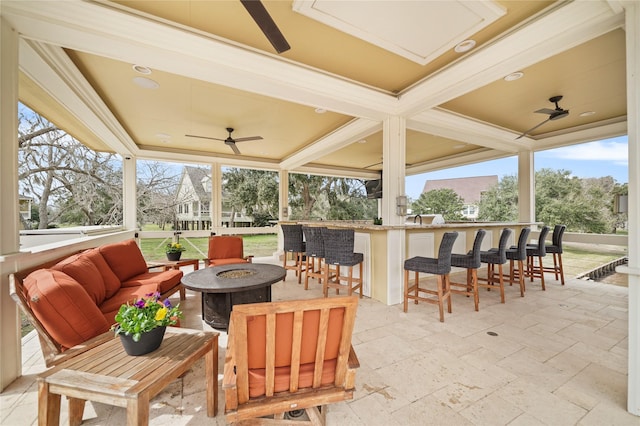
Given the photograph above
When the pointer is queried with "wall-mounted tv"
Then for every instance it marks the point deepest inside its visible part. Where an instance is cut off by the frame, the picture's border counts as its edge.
(374, 188)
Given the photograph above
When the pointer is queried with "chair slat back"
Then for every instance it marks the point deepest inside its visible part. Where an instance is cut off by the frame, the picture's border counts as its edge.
(542, 251)
(288, 321)
(558, 233)
(446, 246)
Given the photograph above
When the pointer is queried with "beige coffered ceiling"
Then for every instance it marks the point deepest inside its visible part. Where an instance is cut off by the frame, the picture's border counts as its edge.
(215, 69)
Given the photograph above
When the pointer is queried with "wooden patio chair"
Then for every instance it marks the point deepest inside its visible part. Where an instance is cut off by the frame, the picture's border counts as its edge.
(225, 250)
(287, 358)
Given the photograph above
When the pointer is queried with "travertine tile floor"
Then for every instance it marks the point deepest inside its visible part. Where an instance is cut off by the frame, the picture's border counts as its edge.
(558, 357)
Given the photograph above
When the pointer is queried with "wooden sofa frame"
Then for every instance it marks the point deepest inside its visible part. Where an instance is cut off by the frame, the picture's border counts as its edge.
(51, 349)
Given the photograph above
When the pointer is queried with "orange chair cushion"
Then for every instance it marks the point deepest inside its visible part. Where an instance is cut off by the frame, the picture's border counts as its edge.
(111, 306)
(229, 261)
(64, 307)
(225, 247)
(82, 269)
(256, 338)
(111, 281)
(281, 380)
(164, 281)
(124, 258)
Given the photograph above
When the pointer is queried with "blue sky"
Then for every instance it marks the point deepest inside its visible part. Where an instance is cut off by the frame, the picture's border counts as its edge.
(607, 157)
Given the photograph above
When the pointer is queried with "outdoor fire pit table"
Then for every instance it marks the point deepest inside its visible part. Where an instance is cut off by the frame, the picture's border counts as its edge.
(228, 285)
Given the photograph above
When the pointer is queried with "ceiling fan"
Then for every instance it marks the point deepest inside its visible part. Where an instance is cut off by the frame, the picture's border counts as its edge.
(229, 140)
(259, 14)
(554, 114)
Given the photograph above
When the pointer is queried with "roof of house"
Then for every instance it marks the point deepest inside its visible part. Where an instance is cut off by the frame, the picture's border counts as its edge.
(469, 188)
(196, 175)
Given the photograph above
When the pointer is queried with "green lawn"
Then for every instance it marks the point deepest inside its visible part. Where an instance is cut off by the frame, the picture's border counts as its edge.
(257, 245)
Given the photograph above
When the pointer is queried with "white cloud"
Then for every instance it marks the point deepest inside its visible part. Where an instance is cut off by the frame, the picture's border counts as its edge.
(611, 150)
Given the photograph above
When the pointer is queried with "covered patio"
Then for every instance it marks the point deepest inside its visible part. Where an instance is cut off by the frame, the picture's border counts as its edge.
(360, 112)
(558, 357)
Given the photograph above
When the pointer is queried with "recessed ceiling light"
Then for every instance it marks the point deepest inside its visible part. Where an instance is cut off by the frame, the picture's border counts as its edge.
(146, 83)
(514, 76)
(142, 69)
(164, 137)
(587, 113)
(459, 146)
(362, 141)
(320, 110)
(465, 46)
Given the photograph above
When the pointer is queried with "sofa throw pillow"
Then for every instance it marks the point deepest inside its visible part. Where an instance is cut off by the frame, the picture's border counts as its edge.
(82, 269)
(63, 307)
(111, 281)
(124, 258)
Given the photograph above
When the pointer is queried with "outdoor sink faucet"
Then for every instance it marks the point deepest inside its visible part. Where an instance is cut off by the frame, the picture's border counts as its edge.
(417, 217)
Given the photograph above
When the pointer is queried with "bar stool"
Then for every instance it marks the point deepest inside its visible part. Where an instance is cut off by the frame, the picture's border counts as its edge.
(339, 252)
(428, 265)
(314, 251)
(493, 257)
(537, 251)
(293, 243)
(518, 253)
(555, 248)
(470, 261)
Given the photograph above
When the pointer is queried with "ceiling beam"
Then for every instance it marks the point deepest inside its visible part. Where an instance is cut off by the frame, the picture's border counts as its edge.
(105, 30)
(446, 124)
(565, 26)
(345, 135)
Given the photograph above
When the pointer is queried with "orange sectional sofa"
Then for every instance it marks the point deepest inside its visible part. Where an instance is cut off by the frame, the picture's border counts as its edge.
(76, 298)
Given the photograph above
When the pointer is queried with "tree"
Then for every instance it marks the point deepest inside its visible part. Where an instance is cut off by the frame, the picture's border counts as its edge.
(60, 174)
(443, 201)
(500, 203)
(584, 205)
(326, 197)
(254, 192)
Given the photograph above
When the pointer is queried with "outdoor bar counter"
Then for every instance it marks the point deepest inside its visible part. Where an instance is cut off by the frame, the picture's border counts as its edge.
(385, 247)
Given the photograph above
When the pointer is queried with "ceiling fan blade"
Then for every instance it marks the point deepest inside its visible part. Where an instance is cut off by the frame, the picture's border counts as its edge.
(204, 137)
(250, 138)
(545, 111)
(234, 148)
(259, 14)
(533, 128)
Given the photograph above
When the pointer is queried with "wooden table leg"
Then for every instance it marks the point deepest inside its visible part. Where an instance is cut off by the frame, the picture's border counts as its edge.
(211, 373)
(48, 406)
(76, 410)
(138, 410)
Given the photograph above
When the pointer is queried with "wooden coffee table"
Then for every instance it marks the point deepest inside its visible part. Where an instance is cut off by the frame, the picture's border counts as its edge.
(108, 375)
(233, 284)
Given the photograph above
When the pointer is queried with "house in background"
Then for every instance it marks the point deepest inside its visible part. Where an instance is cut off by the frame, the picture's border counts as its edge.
(193, 199)
(193, 203)
(470, 189)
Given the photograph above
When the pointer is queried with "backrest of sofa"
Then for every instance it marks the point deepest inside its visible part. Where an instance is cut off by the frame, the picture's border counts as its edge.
(63, 307)
(80, 267)
(124, 258)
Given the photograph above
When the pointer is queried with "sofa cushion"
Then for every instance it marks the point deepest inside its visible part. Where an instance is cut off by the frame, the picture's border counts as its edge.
(124, 258)
(82, 269)
(110, 307)
(64, 307)
(111, 281)
(164, 281)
